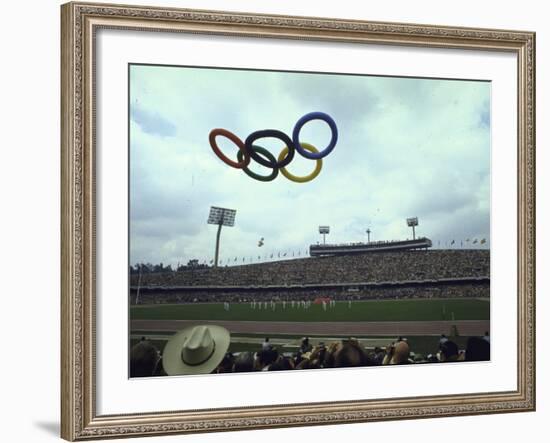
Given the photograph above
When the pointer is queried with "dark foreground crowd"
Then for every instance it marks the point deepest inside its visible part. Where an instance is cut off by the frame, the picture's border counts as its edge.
(204, 350)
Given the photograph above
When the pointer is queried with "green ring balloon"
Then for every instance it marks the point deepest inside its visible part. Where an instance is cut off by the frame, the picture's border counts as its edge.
(269, 156)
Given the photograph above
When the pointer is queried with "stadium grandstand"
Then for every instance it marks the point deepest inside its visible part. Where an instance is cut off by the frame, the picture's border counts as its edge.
(363, 248)
(405, 274)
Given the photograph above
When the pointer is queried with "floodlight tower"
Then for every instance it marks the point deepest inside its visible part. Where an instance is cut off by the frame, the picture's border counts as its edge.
(324, 230)
(412, 222)
(368, 231)
(220, 217)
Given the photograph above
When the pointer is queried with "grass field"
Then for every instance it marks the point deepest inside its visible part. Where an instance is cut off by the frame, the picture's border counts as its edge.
(375, 310)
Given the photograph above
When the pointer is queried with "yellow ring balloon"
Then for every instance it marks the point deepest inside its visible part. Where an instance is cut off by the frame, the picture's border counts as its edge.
(305, 178)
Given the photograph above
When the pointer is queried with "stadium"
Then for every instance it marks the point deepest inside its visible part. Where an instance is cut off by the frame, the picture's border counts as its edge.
(375, 294)
(275, 298)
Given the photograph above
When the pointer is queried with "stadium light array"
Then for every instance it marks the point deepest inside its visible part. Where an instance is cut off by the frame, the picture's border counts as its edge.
(413, 222)
(368, 231)
(221, 217)
(324, 230)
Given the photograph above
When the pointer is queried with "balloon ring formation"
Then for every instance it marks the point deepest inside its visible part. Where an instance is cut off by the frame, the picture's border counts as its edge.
(249, 150)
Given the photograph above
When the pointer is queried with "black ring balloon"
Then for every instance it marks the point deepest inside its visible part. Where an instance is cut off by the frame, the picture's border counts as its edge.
(270, 133)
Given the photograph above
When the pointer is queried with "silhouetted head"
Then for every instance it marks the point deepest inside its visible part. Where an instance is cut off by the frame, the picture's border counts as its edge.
(448, 351)
(244, 362)
(478, 349)
(144, 358)
(349, 354)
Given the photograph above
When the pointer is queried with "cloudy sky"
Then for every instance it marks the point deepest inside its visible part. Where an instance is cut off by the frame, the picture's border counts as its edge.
(406, 147)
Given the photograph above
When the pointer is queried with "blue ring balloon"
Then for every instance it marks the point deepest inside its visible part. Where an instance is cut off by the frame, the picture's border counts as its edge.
(298, 127)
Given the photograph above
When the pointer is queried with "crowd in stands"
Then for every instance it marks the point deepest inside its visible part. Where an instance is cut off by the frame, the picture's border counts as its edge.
(378, 267)
(478, 290)
(146, 360)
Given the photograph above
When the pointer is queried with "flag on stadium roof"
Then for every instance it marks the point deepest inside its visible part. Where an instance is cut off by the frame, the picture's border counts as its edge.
(453, 242)
(475, 241)
(483, 241)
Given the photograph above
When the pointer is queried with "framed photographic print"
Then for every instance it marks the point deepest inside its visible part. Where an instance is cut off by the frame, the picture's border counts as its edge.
(282, 221)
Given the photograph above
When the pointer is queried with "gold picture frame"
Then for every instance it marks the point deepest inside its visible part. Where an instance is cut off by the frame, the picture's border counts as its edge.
(80, 21)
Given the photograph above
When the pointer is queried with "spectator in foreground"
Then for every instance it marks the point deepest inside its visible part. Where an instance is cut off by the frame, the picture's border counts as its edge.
(195, 350)
(244, 362)
(377, 356)
(314, 359)
(478, 349)
(266, 344)
(448, 352)
(281, 364)
(267, 356)
(349, 354)
(397, 354)
(226, 364)
(305, 346)
(144, 359)
(321, 353)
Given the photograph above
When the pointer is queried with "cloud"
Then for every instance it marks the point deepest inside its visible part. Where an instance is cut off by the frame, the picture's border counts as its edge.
(485, 117)
(151, 122)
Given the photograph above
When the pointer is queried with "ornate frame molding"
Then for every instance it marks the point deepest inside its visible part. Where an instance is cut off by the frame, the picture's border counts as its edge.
(79, 23)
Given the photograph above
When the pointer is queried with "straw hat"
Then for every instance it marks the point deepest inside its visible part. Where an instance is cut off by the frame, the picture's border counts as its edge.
(195, 350)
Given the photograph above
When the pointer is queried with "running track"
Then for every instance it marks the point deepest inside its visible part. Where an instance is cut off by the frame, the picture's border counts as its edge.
(465, 327)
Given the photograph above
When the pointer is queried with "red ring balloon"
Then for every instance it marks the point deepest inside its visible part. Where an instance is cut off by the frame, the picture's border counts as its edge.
(225, 133)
